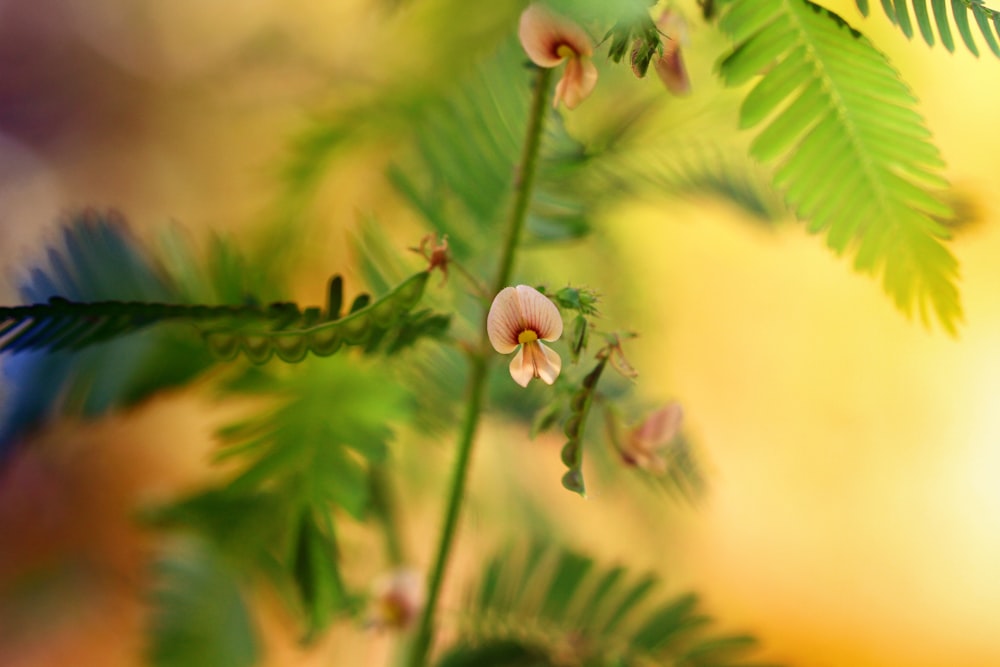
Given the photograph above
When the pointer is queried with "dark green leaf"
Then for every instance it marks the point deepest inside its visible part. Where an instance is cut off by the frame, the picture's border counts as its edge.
(890, 11)
(903, 18)
(924, 21)
(944, 27)
(961, 15)
(985, 28)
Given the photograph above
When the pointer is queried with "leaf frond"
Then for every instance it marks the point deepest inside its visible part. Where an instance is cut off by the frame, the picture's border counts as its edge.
(853, 156)
(299, 468)
(94, 259)
(257, 332)
(557, 606)
(987, 21)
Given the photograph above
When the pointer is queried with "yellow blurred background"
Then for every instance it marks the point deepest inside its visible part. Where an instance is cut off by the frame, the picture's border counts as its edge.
(853, 517)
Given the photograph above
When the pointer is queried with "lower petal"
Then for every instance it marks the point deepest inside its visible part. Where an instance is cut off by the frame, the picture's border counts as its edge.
(521, 368)
(546, 362)
(577, 82)
(534, 360)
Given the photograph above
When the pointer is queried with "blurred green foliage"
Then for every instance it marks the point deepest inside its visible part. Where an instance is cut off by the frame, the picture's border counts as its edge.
(549, 605)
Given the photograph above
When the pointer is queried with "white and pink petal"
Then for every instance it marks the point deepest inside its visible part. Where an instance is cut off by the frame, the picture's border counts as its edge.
(577, 82)
(547, 363)
(538, 313)
(543, 34)
(535, 360)
(504, 321)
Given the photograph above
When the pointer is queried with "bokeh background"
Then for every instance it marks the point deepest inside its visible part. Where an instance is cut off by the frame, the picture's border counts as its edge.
(853, 457)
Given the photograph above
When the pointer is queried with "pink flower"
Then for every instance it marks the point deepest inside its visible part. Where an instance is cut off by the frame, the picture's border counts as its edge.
(549, 39)
(397, 598)
(670, 66)
(647, 441)
(521, 318)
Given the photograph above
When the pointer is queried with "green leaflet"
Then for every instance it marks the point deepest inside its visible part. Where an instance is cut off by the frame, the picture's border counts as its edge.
(983, 21)
(903, 18)
(961, 17)
(987, 20)
(853, 156)
(923, 21)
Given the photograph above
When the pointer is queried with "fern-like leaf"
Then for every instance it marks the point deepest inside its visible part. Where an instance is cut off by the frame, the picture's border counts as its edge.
(987, 21)
(549, 605)
(96, 259)
(60, 324)
(299, 468)
(855, 159)
(255, 331)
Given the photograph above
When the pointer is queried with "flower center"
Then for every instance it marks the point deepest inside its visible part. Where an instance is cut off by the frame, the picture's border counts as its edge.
(527, 336)
(565, 51)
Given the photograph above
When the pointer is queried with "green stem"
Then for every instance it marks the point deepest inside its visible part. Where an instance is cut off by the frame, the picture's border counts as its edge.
(524, 180)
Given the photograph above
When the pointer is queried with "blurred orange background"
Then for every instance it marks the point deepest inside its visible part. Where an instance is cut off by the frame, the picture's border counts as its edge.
(853, 517)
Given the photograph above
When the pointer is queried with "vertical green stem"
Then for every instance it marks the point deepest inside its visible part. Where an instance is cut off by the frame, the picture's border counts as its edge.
(524, 180)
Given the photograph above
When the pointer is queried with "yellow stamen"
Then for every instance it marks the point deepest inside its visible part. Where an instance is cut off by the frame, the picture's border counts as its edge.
(565, 51)
(527, 336)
